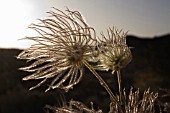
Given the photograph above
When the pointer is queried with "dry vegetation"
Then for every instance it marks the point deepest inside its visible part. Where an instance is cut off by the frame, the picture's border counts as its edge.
(65, 46)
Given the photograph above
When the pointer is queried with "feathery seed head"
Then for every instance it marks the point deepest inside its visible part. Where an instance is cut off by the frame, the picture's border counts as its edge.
(114, 53)
(74, 107)
(64, 41)
(133, 103)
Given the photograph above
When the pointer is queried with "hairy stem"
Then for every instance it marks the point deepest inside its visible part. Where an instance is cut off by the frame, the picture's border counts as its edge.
(119, 84)
(102, 82)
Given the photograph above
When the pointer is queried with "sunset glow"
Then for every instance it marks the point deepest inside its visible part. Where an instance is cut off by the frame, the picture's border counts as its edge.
(141, 18)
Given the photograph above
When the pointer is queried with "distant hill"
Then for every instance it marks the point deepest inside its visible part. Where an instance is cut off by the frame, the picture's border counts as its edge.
(149, 68)
(150, 64)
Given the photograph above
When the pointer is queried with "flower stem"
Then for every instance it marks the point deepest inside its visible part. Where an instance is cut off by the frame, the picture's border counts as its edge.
(119, 84)
(102, 82)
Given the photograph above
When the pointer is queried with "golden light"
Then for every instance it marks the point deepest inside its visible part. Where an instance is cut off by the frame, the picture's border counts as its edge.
(16, 15)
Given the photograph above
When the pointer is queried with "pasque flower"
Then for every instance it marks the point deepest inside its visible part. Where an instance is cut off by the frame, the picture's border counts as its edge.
(133, 103)
(114, 52)
(63, 42)
(73, 107)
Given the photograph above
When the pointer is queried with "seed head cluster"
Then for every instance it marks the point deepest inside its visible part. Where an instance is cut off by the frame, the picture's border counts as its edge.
(64, 43)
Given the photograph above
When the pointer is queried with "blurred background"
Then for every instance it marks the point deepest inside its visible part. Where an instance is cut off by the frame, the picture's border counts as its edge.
(141, 18)
(148, 23)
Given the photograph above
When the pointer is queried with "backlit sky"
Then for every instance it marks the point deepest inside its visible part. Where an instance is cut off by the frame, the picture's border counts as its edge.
(144, 18)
